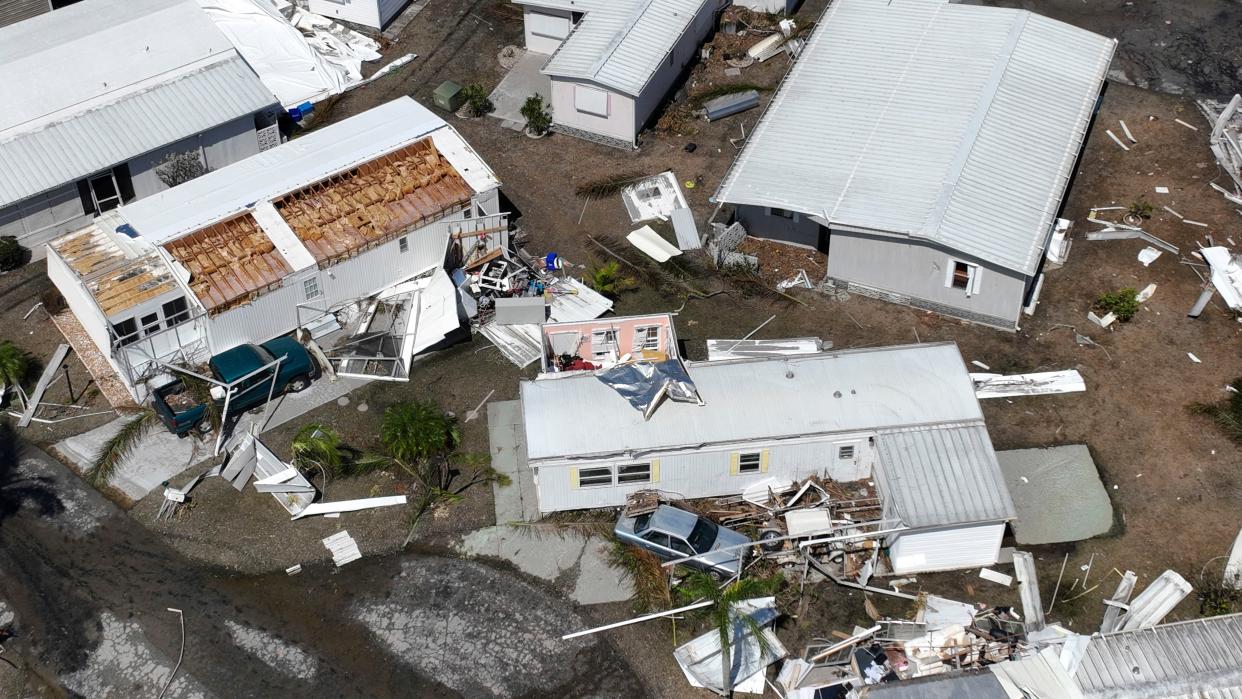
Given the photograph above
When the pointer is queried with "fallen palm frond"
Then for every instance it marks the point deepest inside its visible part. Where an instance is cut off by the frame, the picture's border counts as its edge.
(607, 186)
(698, 99)
(1227, 414)
(650, 273)
(116, 450)
(649, 577)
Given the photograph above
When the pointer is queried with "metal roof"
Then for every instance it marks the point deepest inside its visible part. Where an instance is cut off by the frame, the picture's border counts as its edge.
(138, 123)
(622, 43)
(303, 161)
(748, 400)
(955, 124)
(102, 81)
(945, 474)
(1200, 658)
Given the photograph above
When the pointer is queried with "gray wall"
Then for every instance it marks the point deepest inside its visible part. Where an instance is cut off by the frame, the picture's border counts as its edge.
(683, 54)
(759, 222)
(220, 146)
(38, 219)
(917, 269)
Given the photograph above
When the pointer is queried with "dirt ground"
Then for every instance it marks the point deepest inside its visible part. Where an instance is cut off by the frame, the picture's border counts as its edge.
(1172, 477)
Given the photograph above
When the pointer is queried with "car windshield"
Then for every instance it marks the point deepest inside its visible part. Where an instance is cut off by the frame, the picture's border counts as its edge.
(641, 523)
(703, 536)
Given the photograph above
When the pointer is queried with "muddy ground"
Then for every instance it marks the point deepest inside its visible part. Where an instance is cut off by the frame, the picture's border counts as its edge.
(1172, 476)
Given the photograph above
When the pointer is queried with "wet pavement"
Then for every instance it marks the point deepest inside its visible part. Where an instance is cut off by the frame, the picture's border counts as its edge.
(89, 588)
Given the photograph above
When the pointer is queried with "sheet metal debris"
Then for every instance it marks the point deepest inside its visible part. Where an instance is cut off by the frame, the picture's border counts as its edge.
(325, 508)
(1151, 606)
(654, 198)
(701, 658)
(722, 350)
(1041, 383)
(646, 384)
(1226, 275)
(652, 244)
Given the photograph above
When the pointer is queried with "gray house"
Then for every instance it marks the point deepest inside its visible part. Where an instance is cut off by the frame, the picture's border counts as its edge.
(98, 93)
(612, 62)
(926, 147)
(905, 418)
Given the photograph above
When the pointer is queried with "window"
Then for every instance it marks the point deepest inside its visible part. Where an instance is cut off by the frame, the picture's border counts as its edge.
(964, 276)
(782, 213)
(310, 287)
(604, 344)
(657, 538)
(703, 535)
(150, 324)
(588, 100)
(634, 473)
(845, 453)
(594, 477)
(647, 338)
(403, 244)
(749, 463)
(680, 546)
(176, 311)
(125, 332)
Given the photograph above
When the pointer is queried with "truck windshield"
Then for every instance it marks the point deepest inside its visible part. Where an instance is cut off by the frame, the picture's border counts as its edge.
(703, 536)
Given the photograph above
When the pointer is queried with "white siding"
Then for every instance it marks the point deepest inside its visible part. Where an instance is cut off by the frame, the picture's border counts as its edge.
(78, 300)
(38, 219)
(271, 315)
(364, 12)
(946, 548)
(703, 474)
(545, 29)
(618, 124)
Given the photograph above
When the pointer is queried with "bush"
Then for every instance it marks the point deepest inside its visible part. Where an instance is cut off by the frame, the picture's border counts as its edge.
(1123, 303)
(477, 101)
(179, 168)
(1141, 208)
(12, 254)
(537, 118)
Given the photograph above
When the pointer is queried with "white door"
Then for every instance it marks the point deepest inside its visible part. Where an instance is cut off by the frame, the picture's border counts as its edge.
(849, 460)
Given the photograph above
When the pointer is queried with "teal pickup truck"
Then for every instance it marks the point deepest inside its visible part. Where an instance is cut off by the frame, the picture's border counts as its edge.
(181, 414)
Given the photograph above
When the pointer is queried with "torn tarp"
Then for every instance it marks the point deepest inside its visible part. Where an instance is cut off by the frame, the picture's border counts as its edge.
(646, 384)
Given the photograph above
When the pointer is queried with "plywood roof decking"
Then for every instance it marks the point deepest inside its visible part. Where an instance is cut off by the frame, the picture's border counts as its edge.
(375, 201)
(116, 281)
(230, 262)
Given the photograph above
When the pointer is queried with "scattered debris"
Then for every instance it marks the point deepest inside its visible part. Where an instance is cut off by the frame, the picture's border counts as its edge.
(1116, 140)
(652, 244)
(685, 229)
(653, 198)
(1041, 383)
(996, 577)
(1189, 126)
(1148, 255)
(800, 280)
(1126, 130)
(1118, 604)
(1151, 606)
(293, 569)
(1028, 589)
(1226, 275)
(720, 350)
(343, 547)
(701, 658)
(1172, 212)
(1102, 321)
(1195, 223)
(323, 508)
(1162, 190)
(1193, 358)
(1146, 294)
(980, 364)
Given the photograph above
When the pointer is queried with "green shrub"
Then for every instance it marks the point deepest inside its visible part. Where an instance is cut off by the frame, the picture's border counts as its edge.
(537, 118)
(12, 254)
(477, 101)
(1122, 303)
(1141, 208)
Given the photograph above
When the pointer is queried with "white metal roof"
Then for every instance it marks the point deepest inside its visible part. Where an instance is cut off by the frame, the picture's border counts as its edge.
(102, 81)
(946, 474)
(1200, 659)
(302, 161)
(957, 124)
(621, 43)
(752, 400)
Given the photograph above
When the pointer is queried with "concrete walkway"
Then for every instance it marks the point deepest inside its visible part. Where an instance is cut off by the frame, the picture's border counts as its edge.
(518, 84)
(579, 563)
(162, 455)
(516, 502)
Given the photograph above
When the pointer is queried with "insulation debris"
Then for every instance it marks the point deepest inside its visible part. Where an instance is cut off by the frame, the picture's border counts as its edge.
(1041, 383)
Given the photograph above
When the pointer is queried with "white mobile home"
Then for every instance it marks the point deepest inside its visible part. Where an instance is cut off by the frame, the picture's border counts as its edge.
(259, 248)
(905, 417)
(613, 62)
(98, 93)
(369, 13)
(947, 206)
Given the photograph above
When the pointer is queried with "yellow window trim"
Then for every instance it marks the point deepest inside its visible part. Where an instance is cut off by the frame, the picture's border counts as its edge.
(573, 478)
(734, 463)
(655, 470)
(763, 461)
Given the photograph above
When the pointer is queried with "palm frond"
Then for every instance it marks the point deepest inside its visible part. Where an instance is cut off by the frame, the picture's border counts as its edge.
(116, 450)
(649, 577)
(607, 186)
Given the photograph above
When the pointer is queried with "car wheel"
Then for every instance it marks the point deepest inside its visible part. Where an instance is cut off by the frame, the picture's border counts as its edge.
(299, 383)
(766, 537)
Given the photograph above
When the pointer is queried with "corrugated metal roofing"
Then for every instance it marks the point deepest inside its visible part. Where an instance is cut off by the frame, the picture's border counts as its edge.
(755, 399)
(952, 123)
(1200, 659)
(620, 44)
(946, 474)
(137, 123)
(300, 162)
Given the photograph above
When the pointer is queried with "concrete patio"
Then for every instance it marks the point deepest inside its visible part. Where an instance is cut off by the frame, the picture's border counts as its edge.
(522, 81)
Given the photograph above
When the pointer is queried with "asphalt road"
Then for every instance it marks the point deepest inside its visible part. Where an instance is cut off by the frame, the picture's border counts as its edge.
(89, 589)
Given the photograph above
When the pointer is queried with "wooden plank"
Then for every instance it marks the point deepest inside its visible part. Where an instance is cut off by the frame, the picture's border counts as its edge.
(36, 395)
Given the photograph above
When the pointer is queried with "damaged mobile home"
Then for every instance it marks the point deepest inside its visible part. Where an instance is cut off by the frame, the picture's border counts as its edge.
(904, 417)
(952, 214)
(301, 236)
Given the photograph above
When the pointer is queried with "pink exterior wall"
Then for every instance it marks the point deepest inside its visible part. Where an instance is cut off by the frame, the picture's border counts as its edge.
(625, 328)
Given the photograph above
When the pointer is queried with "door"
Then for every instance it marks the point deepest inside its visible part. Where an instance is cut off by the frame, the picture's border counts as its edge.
(849, 460)
(105, 193)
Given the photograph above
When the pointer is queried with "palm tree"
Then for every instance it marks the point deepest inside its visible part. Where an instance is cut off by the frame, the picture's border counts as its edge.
(15, 364)
(420, 439)
(699, 586)
(319, 446)
(608, 280)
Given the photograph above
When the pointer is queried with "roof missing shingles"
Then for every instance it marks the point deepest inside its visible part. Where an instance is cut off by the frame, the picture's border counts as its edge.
(374, 202)
(117, 281)
(230, 262)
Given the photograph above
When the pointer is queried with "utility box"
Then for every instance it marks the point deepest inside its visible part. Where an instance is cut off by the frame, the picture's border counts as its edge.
(449, 96)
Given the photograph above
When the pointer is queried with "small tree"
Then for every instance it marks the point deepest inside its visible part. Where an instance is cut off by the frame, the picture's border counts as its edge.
(477, 101)
(608, 280)
(179, 168)
(420, 439)
(12, 254)
(1122, 303)
(537, 118)
(699, 586)
(318, 446)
